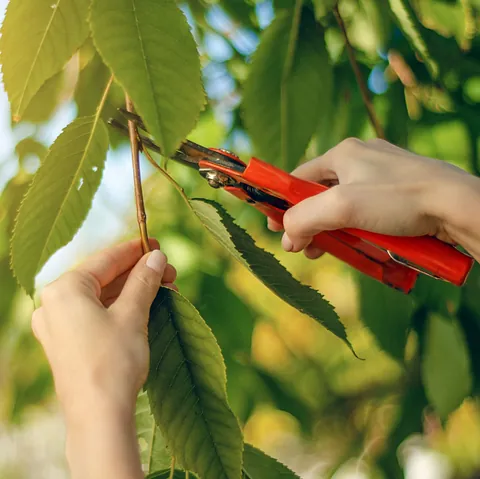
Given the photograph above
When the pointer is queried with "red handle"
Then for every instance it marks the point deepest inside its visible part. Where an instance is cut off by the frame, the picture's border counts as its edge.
(424, 252)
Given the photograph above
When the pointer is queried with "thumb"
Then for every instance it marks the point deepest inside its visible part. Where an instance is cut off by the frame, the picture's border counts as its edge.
(331, 210)
(141, 286)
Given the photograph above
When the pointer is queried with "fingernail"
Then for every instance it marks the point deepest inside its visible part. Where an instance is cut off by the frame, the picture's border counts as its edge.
(157, 260)
(287, 243)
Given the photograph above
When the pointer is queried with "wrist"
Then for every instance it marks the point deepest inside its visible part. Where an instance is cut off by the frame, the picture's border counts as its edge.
(453, 202)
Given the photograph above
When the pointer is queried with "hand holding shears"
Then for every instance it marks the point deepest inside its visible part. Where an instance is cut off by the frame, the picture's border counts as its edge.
(394, 260)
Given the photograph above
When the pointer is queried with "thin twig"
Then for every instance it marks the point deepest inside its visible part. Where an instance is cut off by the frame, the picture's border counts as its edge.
(358, 75)
(137, 179)
(187, 474)
(172, 468)
(165, 174)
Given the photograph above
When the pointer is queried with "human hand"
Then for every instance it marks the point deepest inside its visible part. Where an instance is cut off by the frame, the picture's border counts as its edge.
(93, 327)
(377, 187)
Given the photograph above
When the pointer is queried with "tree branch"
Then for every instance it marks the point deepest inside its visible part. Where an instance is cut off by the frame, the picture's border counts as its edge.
(137, 179)
(358, 75)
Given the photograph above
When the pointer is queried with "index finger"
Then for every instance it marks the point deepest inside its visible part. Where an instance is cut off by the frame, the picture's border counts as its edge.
(110, 263)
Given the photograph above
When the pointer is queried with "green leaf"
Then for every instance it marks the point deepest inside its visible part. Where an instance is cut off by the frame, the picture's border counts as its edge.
(149, 48)
(45, 102)
(288, 87)
(186, 388)
(323, 7)
(165, 474)
(415, 32)
(266, 267)
(387, 314)
(59, 197)
(446, 368)
(257, 465)
(38, 38)
(152, 446)
(438, 296)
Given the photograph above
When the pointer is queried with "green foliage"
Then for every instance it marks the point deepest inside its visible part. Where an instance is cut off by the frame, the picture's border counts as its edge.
(38, 38)
(165, 474)
(153, 450)
(59, 197)
(415, 32)
(266, 267)
(387, 313)
(438, 296)
(257, 465)
(288, 88)
(186, 388)
(446, 368)
(295, 97)
(151, 52)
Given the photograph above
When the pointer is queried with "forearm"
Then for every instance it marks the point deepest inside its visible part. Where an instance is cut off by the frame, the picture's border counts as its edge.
(102, 443)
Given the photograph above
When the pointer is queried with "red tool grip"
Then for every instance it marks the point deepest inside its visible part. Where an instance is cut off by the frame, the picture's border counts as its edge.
(423, 252)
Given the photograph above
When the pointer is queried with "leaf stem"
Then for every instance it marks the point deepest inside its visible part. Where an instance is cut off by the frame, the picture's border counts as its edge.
(172, 468)
(104, 98)
(287, 68)
(137, 179)
(187, 475)
(358, 75)
(165, 174)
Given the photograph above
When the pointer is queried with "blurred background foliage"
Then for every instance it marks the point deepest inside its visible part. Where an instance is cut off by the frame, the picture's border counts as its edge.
(300, 394)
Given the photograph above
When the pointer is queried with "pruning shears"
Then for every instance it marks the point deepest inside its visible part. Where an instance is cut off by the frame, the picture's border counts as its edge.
(395, 261)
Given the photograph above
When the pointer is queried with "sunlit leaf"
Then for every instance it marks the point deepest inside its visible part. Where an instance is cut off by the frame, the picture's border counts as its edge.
(414, 31)
(288, 87)
(257, 465)
(149, 47)
(186, 388)
(59, 197)
(45, 102)
(153, 451)
(266, 267)
(38, 38)
(387, 314)
(446, 368)
(323, 7)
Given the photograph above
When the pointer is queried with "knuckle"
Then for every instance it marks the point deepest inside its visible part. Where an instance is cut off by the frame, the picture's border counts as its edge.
(144, 280)
(350, 145)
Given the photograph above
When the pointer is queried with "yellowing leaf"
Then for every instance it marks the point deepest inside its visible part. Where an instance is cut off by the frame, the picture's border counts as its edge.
(186, 388)
(446, 368)
(149, 48)
(266, 267)
(38, 38)
(288, 87)
(59, 197)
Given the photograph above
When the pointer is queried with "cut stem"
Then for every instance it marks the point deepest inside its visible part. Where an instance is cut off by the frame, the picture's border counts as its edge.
(358, 76)
(137, 179)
